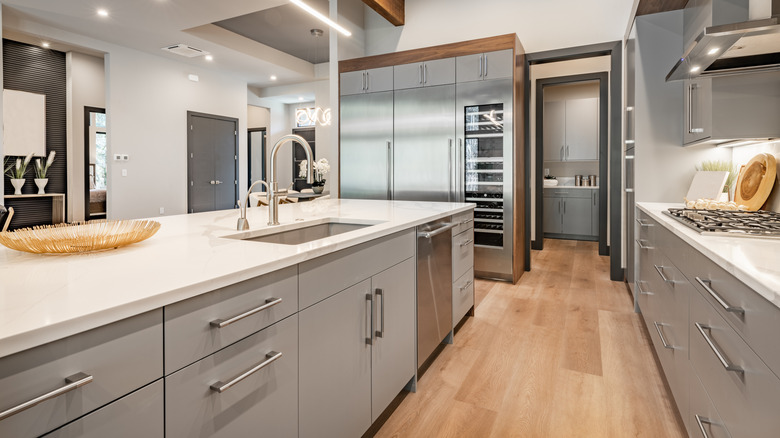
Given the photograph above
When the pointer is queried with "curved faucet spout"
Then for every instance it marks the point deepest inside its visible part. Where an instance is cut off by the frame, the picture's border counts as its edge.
(243, 224)
(273, 192)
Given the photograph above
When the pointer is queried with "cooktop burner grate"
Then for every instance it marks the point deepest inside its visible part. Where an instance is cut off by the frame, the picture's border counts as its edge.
(738, 223)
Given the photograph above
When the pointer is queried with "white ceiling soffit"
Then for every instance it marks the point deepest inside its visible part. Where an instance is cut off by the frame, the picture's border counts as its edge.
(151, 24)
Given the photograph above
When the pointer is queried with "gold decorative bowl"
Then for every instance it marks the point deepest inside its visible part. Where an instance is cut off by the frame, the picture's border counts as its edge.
(79, 237)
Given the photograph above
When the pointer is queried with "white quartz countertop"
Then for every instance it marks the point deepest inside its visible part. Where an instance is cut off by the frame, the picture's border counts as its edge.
(754, 261)
(48, 297)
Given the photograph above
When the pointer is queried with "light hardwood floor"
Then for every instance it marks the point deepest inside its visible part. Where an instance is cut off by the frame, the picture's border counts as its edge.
(560, 354)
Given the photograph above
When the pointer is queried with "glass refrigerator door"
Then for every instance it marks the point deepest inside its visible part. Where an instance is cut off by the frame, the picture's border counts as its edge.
(484, 171)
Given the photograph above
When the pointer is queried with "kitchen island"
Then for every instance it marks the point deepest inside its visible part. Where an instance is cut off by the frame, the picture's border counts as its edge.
(192, 281)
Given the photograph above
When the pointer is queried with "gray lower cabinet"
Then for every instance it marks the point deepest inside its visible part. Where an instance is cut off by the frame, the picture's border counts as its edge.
(362, 339)
(109, 362)
(462, 266)
(249, 388)
(139, 414)
(569, 213)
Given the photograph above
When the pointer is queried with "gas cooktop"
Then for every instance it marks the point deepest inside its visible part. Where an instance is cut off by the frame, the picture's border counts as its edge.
(760, 223)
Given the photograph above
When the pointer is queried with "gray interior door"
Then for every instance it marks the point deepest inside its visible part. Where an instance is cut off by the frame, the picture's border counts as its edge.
(424, 159)
(212, 163)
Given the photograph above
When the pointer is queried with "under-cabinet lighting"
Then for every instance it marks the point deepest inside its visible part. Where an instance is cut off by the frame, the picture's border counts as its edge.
(713, 51)
(695, 68)
(732, 144)
(321, 17)
(45, 45)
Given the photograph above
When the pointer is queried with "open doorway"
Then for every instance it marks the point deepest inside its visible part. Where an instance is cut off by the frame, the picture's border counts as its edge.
(256, 138)
(95, 163)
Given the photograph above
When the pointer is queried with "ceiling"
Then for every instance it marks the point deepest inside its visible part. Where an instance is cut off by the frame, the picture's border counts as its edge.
(286, 28)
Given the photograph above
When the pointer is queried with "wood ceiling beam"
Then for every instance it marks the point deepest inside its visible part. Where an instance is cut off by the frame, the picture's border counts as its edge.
(392, 10)
(655, 6)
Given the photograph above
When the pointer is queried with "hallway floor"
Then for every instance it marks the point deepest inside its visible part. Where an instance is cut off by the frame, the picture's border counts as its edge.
(559, 354)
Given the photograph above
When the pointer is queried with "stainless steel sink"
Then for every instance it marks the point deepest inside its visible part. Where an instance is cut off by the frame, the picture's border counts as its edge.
(302, 234)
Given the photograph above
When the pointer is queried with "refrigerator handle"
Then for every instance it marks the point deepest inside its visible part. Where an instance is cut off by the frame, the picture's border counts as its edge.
(449, 192)
(461, 172)
(389, 170)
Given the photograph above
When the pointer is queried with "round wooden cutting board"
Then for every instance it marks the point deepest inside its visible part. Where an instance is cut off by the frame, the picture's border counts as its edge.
(755, 181)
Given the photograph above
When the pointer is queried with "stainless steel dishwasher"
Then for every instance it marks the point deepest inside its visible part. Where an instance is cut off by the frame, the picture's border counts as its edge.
(434, 286)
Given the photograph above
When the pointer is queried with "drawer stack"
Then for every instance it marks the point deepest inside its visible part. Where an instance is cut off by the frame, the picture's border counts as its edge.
(462, 266)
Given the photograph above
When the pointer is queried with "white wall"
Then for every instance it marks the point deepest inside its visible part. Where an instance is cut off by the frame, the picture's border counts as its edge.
(540, 25)
(147, 102)
(549, 70)
(257, 117)
(663, 169)
(86, 87)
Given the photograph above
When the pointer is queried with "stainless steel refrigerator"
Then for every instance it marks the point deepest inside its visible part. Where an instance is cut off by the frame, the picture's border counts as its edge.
(448, 143)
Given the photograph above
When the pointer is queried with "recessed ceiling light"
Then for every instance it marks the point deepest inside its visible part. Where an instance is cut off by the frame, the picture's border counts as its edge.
(321, 17)
(273, 77)
(209, 58)
(102, 12)
(694, 69)
(45, 45)
(300, 99)
(713, 51)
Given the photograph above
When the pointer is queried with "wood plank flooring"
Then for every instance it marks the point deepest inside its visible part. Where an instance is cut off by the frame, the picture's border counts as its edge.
(560, 354)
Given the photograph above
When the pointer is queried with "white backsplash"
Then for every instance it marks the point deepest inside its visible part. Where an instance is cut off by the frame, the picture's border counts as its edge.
(741, 155)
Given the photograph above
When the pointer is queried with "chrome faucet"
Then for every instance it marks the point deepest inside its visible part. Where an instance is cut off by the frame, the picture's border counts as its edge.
(243, 224)
(273, 191)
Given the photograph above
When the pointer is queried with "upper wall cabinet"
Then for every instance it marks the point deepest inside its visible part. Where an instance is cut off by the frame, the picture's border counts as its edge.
(571, 130)
(367, 81)
(490, 65)
(424, 74)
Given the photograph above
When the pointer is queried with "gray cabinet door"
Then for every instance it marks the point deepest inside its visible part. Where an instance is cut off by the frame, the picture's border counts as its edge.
(424, 140)
(379, 79)
(582, 129)
(367, 146)
(439, 72)
(353, 82)
(408, 76)
(468, 68)
(140, 414)
(554, 130)
(498, 64)
(392, 353)
(335, 365)
(551, 216)
(697, 105)
(576, 216)
(264, 403)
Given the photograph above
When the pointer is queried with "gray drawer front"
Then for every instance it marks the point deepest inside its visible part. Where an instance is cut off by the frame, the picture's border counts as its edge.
(462, 253)
(759, 325)
(462, 296)
(121, 357)
(329, 274)
(263, 404)
(189, 334)
(140, 414)
(701, 406)
(747, 401)
(463, 221)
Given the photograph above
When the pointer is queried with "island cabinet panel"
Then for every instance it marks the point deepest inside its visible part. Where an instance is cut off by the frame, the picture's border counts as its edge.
(462, 296)
(139, 414)
(192, 327)
(462, 253)
(329, 274)
(263, 403)
(335, 365)
(393, 346)
(120, 357)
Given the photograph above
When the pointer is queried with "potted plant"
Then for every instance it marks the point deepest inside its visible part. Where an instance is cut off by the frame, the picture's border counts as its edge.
(321, 168)
(41, 170)
(16, 171)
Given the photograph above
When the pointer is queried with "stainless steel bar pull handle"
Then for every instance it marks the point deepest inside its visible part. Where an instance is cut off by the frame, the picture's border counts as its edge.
(364, 82)
(73, 382)
(420, 74)
(486, 65)
(370, 338)
(381, 294)
(480, 66)
(466, 242)
(660, 270)
(661, 335)
(643, 224)
(389, 171)
(641, 290)
(690, 109)
(466, 221)
(694, 130)
(271, 357)
(436, 232)
(640, 243)
(461, 173)
(425, 73)
(561, 153)
(707, 285)
(701, 421)
(222, 323)
(721, 357)
(368, 81)
(466, 286)
(449, 169)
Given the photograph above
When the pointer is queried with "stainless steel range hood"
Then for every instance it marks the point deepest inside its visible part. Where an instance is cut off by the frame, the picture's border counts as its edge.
(735, 48)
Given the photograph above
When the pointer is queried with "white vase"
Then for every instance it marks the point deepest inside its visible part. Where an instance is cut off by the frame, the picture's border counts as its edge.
(41, 183)
(17, 183)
